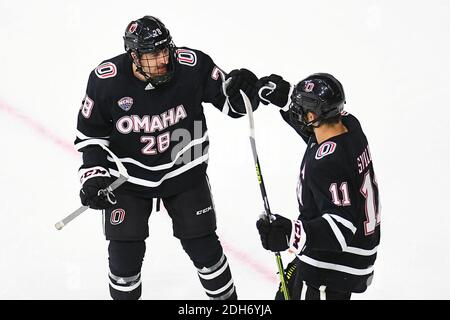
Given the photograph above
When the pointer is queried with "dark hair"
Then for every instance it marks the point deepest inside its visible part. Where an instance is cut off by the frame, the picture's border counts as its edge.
(332, 121)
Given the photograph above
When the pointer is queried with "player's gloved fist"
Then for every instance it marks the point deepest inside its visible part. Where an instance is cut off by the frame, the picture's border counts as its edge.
(281, 234)
(245, 80)
(274, 235)
(94, 182)
(273, 89)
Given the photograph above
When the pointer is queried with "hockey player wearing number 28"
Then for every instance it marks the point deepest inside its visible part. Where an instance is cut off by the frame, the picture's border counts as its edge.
(336, 235)
(146, 106)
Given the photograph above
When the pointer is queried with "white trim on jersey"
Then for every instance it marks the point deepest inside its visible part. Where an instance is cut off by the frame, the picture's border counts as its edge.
(166, 165)
(174, 173)
(343, 221)
(361, 252)
(82, 136)
(341, 239)
(338, 234)
(335, 267)
(96, 142)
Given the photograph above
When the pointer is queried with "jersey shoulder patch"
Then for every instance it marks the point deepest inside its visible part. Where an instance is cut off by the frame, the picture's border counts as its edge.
(106, 70)
(325, 149)
(186, 56)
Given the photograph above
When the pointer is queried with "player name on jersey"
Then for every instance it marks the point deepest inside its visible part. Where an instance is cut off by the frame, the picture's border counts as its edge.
(364, 160)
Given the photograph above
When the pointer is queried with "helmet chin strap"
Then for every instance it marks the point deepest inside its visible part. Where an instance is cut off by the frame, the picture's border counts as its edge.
(314, 123)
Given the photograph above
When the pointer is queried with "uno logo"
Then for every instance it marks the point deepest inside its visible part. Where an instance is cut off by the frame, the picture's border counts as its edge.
(133, 27)
(106, 70)
(117, 217)
(325, 149)
(186, 57)
(309, 87)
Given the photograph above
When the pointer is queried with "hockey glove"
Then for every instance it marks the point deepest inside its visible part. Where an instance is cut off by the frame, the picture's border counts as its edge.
(281, 234)
(273, 89)
(244, 80)
(93, 183)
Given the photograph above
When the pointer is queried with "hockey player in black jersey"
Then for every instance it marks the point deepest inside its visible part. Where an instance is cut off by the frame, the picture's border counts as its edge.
(337, 233)
(146, 106)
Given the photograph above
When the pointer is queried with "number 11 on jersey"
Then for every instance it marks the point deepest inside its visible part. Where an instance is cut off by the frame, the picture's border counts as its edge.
(371, 206)
(369, 190)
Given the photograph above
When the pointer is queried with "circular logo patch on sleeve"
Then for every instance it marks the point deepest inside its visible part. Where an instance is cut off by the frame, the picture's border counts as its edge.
(106, 70)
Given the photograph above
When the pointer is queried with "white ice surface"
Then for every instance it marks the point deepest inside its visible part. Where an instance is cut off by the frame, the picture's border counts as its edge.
(391, 56)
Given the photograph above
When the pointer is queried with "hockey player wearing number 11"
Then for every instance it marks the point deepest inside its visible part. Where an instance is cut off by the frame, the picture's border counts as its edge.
(146, 106)
(336, 236)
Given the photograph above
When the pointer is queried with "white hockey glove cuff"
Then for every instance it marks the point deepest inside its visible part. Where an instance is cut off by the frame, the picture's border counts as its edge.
(297, 240)
(87, 173)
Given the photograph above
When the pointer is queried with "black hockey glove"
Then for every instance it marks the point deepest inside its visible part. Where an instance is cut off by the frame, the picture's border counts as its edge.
(94, 181)
(277, 235)
(273, 89)
(244, 80)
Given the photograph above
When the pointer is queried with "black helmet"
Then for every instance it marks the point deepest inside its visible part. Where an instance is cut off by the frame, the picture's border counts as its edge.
(320, 93)
(149, 35)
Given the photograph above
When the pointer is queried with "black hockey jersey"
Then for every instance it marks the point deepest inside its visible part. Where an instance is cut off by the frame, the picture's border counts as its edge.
(159, 134)
(339, 209)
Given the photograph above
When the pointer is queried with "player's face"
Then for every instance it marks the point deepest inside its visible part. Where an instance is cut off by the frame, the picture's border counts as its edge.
(155, 64)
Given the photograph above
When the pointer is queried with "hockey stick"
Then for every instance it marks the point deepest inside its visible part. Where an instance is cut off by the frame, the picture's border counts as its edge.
(123, 177)
(248, 107)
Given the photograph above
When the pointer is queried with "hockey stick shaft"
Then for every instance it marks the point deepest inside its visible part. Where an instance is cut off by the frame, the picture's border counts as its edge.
(248, 107)
(123, 177)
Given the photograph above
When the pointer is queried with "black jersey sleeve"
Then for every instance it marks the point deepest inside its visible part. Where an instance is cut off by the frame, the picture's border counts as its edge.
(213, 79)
(94, 124)
(333, 191)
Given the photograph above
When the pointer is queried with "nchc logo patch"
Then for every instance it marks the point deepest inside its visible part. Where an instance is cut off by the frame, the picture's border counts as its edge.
(125, 103)
(117, 217)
